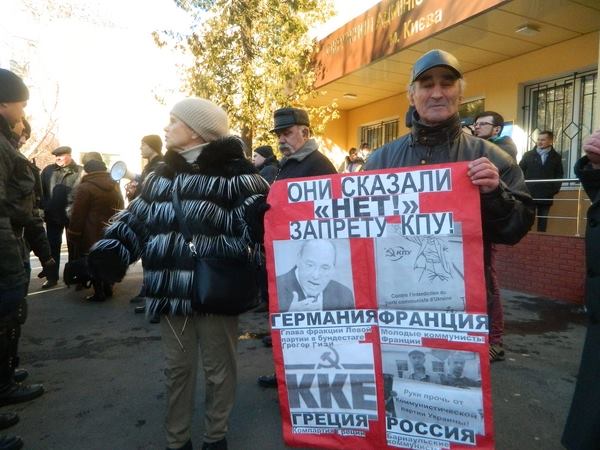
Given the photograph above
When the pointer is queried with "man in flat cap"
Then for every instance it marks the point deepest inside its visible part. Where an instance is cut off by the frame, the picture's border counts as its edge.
(58, 181)
(435, 90)
(301, 156)
(17, 198)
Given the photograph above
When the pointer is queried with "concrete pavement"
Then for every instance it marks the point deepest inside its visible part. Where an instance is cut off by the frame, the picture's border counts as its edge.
(102, 368)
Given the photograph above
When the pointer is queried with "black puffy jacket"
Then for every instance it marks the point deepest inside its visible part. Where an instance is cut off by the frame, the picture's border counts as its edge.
(215, 192)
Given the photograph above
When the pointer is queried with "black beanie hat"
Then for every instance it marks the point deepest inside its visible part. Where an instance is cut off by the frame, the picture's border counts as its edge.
(154, 142)
(265, 151)
(93, 165)
(12, 88)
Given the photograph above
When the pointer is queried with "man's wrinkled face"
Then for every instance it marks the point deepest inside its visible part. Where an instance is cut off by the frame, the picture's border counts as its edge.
(316, 267)
(63, 160)
(544, 141)
(436, 95)
(291, 139)
(13, 112)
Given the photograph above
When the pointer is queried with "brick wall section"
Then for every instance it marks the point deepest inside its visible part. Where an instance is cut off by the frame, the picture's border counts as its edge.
(544, 265)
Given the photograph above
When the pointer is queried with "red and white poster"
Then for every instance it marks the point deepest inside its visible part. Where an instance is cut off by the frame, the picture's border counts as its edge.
(378, 310)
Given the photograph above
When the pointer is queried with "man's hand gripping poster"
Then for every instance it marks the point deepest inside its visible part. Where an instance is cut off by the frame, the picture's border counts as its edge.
(378, 310)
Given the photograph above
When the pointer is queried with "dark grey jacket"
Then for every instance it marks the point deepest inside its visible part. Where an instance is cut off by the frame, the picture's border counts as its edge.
(58, 184)
(306, 162)
(507, 144)
(507, 213)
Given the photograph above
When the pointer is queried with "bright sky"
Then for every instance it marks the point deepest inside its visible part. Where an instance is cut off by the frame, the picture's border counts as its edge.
(106, 77)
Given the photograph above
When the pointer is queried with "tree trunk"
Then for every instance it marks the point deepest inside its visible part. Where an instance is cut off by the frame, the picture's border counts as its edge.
(247, 138)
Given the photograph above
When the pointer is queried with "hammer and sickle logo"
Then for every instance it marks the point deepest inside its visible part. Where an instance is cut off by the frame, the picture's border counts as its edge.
(331, 358)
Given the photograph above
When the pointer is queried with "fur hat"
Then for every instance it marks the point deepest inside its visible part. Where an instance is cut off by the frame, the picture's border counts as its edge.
(12, 88)
(154, 142)
(203, 116)
(287, 117)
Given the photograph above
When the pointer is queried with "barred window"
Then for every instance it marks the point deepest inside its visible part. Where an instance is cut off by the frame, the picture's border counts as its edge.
(564, 106)
(380, 133)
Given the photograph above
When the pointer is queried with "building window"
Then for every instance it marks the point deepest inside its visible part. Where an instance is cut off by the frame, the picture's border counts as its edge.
(564, 106)
(469, 110)
(380, 133)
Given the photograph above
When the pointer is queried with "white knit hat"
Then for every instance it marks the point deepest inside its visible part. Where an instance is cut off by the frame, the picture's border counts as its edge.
(203, 116)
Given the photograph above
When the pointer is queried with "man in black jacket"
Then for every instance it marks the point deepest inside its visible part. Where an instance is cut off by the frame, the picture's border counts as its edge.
(17, 198)
(58, 181)
(436, 137)
(543, 163)
(581, 429)
(301, 156)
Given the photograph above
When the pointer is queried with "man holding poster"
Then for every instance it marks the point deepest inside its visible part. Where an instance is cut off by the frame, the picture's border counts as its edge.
(436, 136)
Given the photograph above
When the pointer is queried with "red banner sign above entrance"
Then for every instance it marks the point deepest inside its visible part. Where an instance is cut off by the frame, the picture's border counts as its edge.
(387, 28)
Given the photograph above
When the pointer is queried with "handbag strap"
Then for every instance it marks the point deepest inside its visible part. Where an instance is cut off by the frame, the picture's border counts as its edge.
(185, 231)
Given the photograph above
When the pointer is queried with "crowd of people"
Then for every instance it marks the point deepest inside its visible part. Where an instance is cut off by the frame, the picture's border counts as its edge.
(205, 184)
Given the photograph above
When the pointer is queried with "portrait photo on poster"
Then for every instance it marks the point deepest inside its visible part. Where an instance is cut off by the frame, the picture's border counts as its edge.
(432, 269)
(313, 275)
(420, 380)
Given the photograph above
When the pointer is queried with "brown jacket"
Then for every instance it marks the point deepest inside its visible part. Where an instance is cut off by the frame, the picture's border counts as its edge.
(97, 199)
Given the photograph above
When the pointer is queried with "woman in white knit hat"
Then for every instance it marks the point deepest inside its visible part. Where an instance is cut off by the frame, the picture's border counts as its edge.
(219, 192)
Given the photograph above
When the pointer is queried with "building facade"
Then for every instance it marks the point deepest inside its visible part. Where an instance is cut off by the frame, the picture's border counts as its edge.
(534, 62)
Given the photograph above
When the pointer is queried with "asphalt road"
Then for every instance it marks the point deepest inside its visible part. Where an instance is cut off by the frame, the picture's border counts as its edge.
(102, 368)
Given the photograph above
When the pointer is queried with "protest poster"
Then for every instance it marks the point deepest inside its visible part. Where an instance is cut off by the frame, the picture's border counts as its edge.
(378, 310)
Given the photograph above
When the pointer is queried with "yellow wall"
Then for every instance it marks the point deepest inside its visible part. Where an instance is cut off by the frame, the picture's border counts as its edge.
(499, 83)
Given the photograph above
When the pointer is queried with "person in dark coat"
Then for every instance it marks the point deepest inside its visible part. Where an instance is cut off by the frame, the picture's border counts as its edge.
(582, 430)
(266, 163)
(217, 187)
(17, 199)
(151, 150)
(301, 156)
(436, 137)
(58, 181)
(543, 163)
(97, 198)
